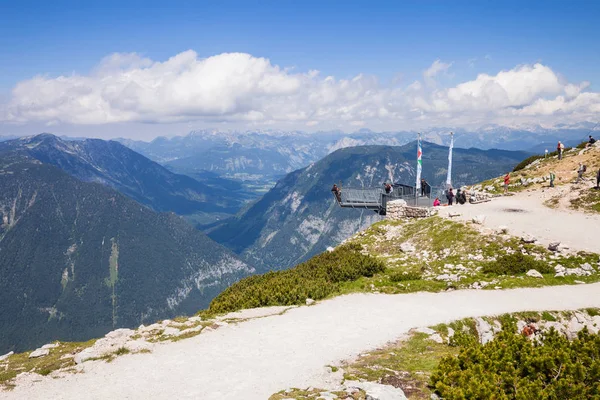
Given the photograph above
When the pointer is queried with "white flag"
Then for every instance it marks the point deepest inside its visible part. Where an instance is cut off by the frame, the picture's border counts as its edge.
(449, 177)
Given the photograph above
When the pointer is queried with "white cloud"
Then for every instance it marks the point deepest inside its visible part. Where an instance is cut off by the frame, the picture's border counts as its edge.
(435, 69)
(237, 88)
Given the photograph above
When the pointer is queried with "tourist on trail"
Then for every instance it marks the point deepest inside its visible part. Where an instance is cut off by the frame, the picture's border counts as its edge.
(559, 149)
(461, 197)
(598, 179)
(506, 182)
(425, 188)
(580, 172)
(450, 196)
(388, 188)
(437, 202)
(591, 141)
(552, 178)
(337, 192)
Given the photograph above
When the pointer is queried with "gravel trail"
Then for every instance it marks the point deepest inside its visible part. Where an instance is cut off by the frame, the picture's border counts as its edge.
(525, 213)
(253, 359)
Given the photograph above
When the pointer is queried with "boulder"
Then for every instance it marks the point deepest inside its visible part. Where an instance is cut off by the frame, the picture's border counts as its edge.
(407, 247)
(310, 302)
(534, 273)
(39, 353)
(484, 330)
(135, 346)
(377, 391)
(503, 229)
(5, 356)
(50, 346)
(436, 338)
(479, 219)
(528, 239)
(553, 246)
(170, 331)
(119, 333)
(573, 327)
(587, 267)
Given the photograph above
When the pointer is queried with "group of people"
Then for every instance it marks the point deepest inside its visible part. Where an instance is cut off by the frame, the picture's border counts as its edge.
(560, 147)
(460, 197)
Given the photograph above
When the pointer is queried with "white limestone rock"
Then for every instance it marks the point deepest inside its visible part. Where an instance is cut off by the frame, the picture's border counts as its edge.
(39, 353)
(534, 274)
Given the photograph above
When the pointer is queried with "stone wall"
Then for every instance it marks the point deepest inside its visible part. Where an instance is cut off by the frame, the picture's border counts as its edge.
(398, 209)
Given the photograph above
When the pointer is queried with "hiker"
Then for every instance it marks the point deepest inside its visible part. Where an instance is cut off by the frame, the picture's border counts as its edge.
(461, 197)
(437, 202)
(450, 196)
(580, 172)
(506, 182)
(598, 179)
(388, 188)
(559, 149)
(425, 188)
(337, 192)
(552, 178)
(591, 141)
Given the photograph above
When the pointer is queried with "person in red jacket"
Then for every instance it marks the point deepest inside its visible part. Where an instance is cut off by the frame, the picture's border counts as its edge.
(506, 182)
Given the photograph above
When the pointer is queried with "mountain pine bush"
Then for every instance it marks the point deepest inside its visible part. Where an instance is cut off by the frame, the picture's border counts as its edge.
(316, 278)
(513, 367)
(516, 263)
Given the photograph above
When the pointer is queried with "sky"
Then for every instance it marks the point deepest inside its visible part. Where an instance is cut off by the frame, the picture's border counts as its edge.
(145, 68)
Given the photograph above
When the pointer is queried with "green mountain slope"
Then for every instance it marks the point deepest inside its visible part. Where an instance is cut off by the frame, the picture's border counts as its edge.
(298, 218)
(78, 259)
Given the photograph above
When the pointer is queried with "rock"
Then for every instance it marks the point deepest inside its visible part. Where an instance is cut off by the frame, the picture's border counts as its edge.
(407, 247)
(135, 346)
(377, 391)
(170, 331)
(434, 397)
(195, 319)
(587, 267)
(448, 278)
(559, 268)
(330, 249)
(5, 356)
(553, 246)
(436, 338)
(454, 214)
(39, 353)
(503, 229)
(479, 219)
(50, 346)
(559, 275)
(450, 333)
(310, 302)
(577, 272)
(521, 325)
(573, 327)
(534, 274)
(528, 239)
(484, 330)
(119, 333)
(427, 331)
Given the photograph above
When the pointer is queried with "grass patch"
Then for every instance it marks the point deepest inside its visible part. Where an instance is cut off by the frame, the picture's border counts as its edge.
(407, 364)
(312, 393)
(588, 201)
(54, 361)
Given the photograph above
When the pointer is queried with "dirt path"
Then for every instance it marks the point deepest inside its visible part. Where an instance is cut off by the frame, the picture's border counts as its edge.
(254, 359)
(525, 213)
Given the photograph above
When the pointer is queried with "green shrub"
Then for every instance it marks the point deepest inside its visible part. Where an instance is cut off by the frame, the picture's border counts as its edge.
(516, 263)
(582, 145)
(316, 278)
(513, 367)
(401, 276)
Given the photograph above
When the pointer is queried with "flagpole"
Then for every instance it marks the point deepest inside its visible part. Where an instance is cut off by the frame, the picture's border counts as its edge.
(419, 166)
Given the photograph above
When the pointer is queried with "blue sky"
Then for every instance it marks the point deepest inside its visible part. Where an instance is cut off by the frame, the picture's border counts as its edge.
(394, 41)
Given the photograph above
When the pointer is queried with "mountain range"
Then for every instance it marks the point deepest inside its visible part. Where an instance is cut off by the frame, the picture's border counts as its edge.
(299, 218)
(112, 164)
(78, 259)
(258, 159)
